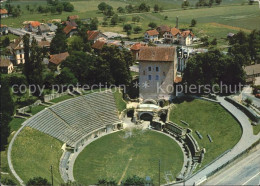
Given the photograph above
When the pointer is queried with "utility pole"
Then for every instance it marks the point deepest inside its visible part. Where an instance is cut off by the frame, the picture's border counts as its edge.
(159, 171)
(51, 176)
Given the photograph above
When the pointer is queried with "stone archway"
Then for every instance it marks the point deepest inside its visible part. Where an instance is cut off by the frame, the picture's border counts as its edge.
(146, 116)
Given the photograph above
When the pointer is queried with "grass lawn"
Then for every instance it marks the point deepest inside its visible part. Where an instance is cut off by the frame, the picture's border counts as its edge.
(120, 103)
(15, 124)
(208, 118)
(62, 98)
(113, 155)
(37, 109)
(256, 129)
(34, 152)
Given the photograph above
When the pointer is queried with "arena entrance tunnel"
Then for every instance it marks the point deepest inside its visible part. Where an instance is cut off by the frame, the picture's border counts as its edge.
(146, 116)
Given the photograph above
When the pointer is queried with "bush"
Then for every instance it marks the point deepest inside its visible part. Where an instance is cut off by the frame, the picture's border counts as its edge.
(248, 101)
(38, 181)
(137, 29)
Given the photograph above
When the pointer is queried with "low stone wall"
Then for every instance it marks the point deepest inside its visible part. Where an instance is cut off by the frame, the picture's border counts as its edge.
(49, 97)
(175, 128)
(248, 111)
(193, 145)
(25, 109)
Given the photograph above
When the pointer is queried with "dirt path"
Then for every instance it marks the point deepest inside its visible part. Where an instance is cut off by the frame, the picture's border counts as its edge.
(123, 175)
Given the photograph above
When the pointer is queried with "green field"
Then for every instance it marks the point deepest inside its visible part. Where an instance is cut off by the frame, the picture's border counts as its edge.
(62, 98)
(120, 103)
(208, 118)
(116, 156)
(41, 152)
(217, 21)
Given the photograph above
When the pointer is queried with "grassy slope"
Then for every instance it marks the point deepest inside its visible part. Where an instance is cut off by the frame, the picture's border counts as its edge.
(41, 152)
(208, 118)
(120, 103)
(109, 156)
(256, 129)
(62, 98)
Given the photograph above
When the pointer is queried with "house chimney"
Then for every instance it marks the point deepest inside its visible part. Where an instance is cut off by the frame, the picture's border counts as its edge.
(177, 22)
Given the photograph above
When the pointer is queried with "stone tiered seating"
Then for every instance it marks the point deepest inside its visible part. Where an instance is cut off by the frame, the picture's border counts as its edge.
(104, 105)
(72, 119)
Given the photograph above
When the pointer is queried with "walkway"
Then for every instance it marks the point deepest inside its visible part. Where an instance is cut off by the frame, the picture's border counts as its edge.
(245, 142)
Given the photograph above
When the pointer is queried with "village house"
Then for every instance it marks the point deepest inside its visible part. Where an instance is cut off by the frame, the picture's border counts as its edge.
(186, 38)
(151, 35)
(135, 48)
(6, 66)
(56, 60)
(162, 29)
(252, 71)
(98, 45)
(43, 28)
(173, 36)
(32, 26)
(73, 17)
(3, 13)
(94, 35)
(3, 29)
(70, 30)
(17, 50)
(157, 71)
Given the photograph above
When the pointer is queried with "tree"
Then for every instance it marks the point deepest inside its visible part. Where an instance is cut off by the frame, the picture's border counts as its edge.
(135, 18)
(66, 77)
(143, 7)
(211, 2)
(165, 17)
(185, 4)
(120, 10)
(135, 180)
(58, 43)
(156, 8)
(193, 23)
(109, 11)
(6, 42)
(218, 2)
(248, 101)
(122, 19)
(68, 7)
(76, 43)
(114, 19)
(214, 42)
(59, 8)
(8, 181)
(137, 29)
(102, 6)
(152, 25)
(93, 24)
(53, 10)
(127, 27)
(38, 181)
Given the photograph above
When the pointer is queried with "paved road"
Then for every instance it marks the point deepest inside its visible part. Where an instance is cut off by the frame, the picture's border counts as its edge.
(244, 172)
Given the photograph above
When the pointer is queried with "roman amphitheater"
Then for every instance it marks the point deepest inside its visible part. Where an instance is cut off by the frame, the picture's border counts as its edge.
(93, 140)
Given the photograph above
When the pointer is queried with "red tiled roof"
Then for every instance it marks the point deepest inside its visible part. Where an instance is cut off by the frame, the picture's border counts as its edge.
(156, 54)
(163, 28)
(175, 31)
(3, 11)
(98, 44)
(137, 46)
(44, 43)
(5, 62)
(152, 32)
(68, 29)
(73, 17)
(1, 26)
(186, 33)
(35, 23)
(71, 23)
(58, 58)
(92, 34)
(178, 79)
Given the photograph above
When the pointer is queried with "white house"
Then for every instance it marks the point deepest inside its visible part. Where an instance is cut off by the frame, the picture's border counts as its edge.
(6, 66)
(151, 35)
(172, 36)
(3, 13)
(17, 49)
(186, 38)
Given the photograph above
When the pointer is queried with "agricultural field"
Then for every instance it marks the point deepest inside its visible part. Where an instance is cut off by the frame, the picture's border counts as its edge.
(208, 118)
(122, 154)
(41, 152)
(215, 22)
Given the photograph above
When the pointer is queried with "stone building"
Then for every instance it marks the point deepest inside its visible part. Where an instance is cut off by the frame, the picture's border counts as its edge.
(157, 71)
